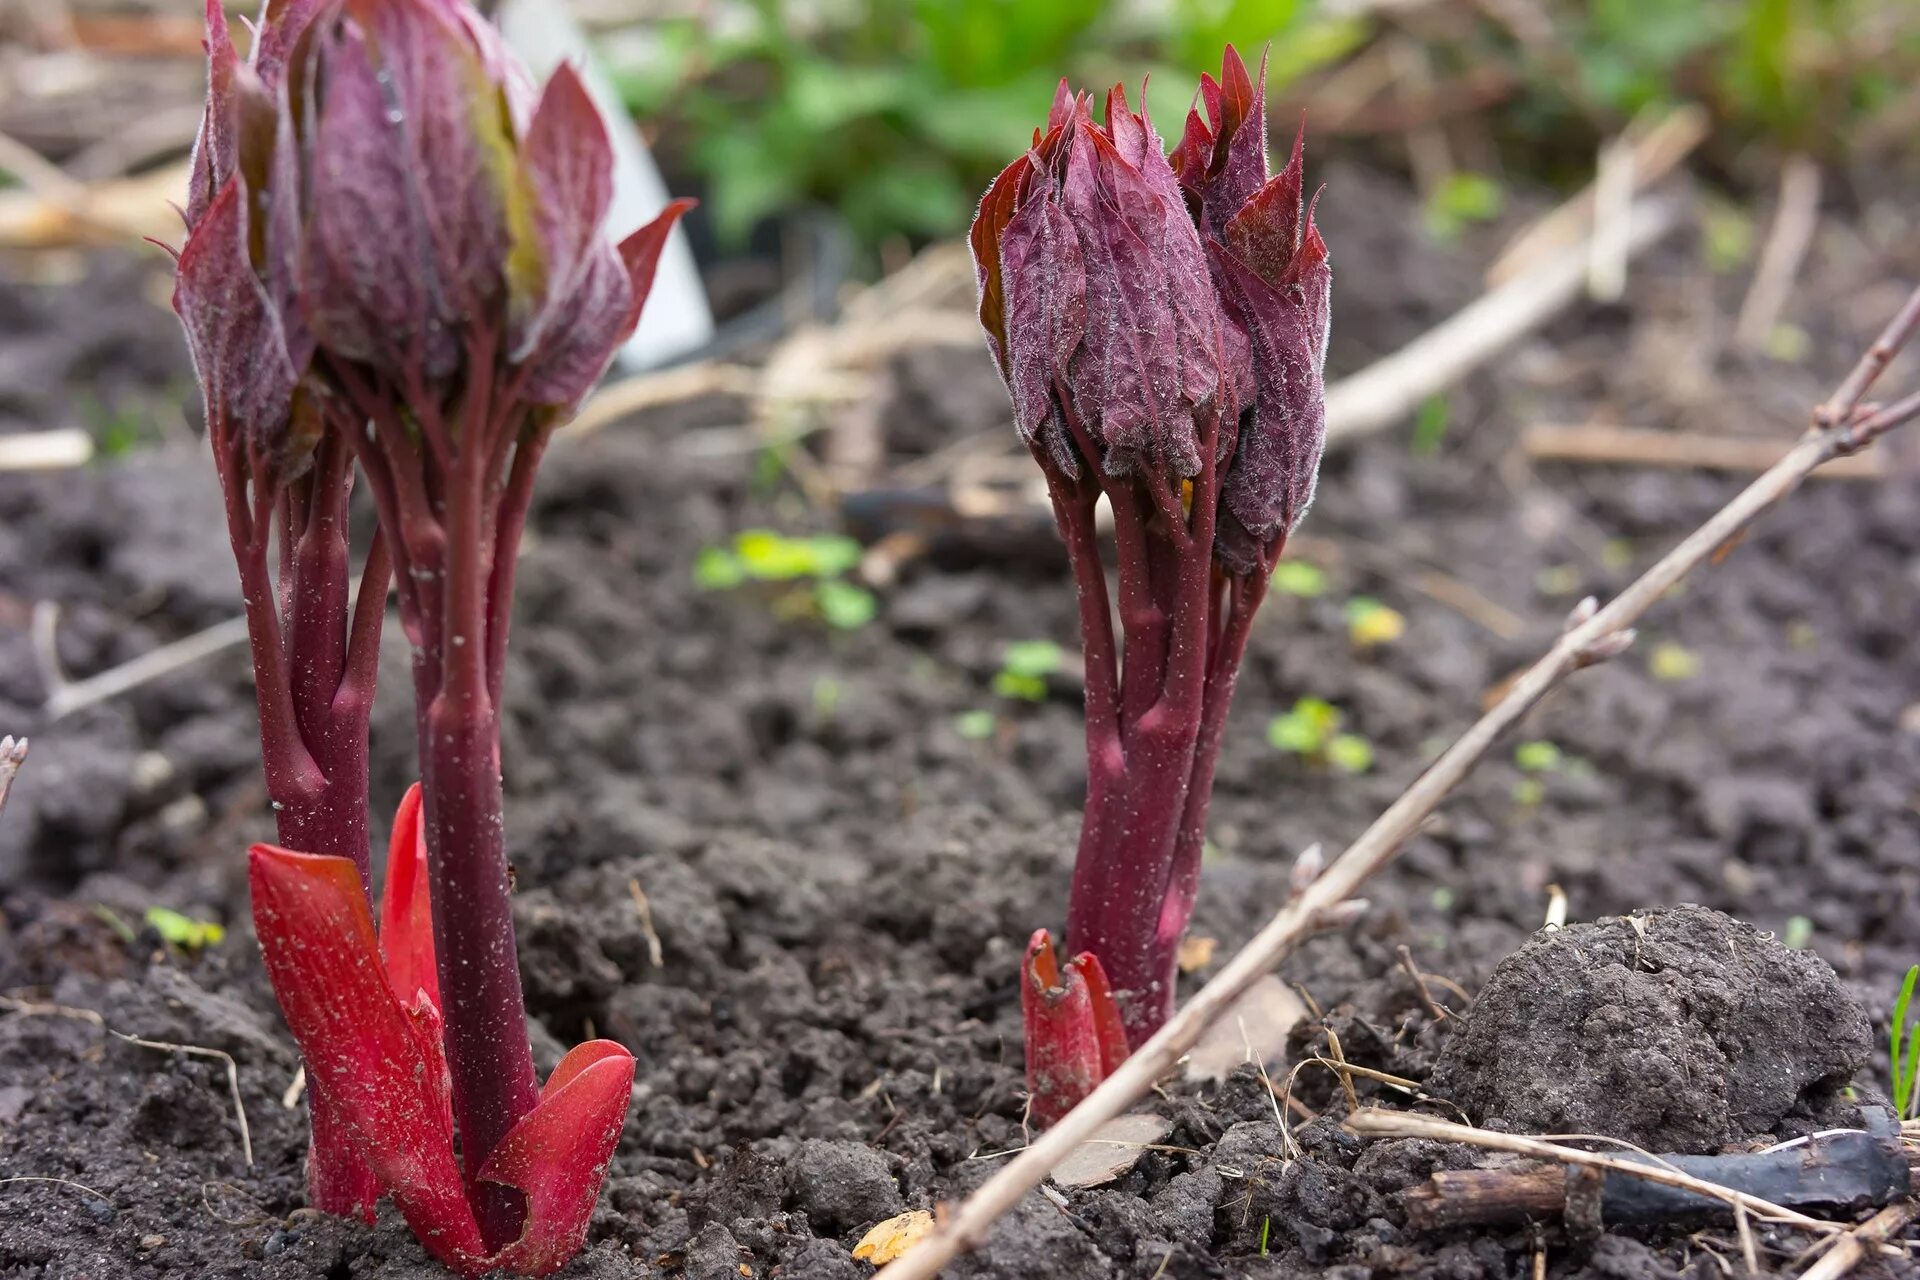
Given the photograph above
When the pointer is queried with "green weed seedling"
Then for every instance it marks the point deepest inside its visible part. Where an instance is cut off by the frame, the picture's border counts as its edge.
(1312, 731)
(1904, 1044)
(814, 565)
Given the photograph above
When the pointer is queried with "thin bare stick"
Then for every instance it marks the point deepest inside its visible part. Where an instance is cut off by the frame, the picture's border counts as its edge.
(1851, 1249)
(295, 1088)
(31, 1009)
(1613, 187)
(1686, 450)
(233, 1078)
(1593, 635)
(70, 697)
(1656, 150)
(1872, 363)
(1389, 388)
(1786, 247)
(13, 754)
(55, 450)
(59, 1182)
(1433, 1008)
(1374, 1122)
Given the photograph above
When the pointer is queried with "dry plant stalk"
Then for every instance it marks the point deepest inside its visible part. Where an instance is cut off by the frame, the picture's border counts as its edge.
(1374, 1122)
(1851, 1249)
(1841, 426)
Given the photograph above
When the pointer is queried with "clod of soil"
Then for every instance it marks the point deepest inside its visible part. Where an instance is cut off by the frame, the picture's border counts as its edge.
(1681, 1030)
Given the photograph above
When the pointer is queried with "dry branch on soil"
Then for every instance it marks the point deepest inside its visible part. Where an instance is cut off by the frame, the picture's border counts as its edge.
(1848, 1167)
(1841, 426)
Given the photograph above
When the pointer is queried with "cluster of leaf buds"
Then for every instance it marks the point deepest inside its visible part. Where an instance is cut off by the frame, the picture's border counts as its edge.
(396, 261)
(1161, 325)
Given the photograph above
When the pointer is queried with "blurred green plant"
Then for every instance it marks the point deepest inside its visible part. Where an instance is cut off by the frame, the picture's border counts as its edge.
(1371, 624)
(976, 725)
(184, 931)
(1794, 71)
(816, 563)
(1311, 730)
(1904, 1061)
(896, 113)
(1462, 200)
(1024, 668)
(1299, 578)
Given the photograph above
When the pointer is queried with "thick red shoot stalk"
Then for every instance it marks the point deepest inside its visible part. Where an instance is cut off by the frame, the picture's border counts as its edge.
(1161, 327)
(425, 233)
(287, 476)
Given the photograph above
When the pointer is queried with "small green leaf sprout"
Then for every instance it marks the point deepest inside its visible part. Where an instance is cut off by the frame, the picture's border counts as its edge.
(816, 563)
(183, 931)
(1299, 578)
(1311, 730)
(1904, 1058)
(1024, 668)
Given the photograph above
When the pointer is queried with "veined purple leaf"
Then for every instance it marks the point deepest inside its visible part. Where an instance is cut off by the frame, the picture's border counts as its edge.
(435, 87)
(568, 167)
(361, 280)
(214, 147)
(234, 334)
(1046, 313)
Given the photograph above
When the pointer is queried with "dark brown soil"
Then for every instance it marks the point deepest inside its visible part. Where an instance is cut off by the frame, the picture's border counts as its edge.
(841, 881)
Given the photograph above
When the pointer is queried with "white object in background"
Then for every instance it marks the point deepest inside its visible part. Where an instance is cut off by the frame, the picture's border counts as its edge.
(676, 319)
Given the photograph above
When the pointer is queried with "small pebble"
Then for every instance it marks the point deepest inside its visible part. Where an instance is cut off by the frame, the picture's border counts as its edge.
(100, 1211)
(150, 1243)
(279, 1242)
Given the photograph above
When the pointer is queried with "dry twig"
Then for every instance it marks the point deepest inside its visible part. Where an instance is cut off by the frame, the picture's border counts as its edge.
(1593, 634)
(1389, 388)
(1851, 1249)
(67, 697)
(13, 754)
(1787, 243)
(1687, 450)
(30, 1009)
(1374, 1122)
(1655, 151)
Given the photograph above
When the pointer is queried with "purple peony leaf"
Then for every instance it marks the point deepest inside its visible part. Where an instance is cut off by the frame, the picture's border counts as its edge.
(997, 208)
(640, 252)
(599, 313)
(284, 27)
(1265, 233)
(1221, 165)
(569, 170)
(1270, 482)
(214, 147)
(234, 334)
(589, 324)
(1046, 313)
(1151, 357)
(361, 285)
(456, 142)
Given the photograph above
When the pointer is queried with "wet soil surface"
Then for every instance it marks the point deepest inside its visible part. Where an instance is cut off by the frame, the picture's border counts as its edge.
(839, 878)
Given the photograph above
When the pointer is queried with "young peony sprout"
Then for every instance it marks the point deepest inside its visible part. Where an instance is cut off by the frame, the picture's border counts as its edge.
(396, 258)
(1161, 326)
